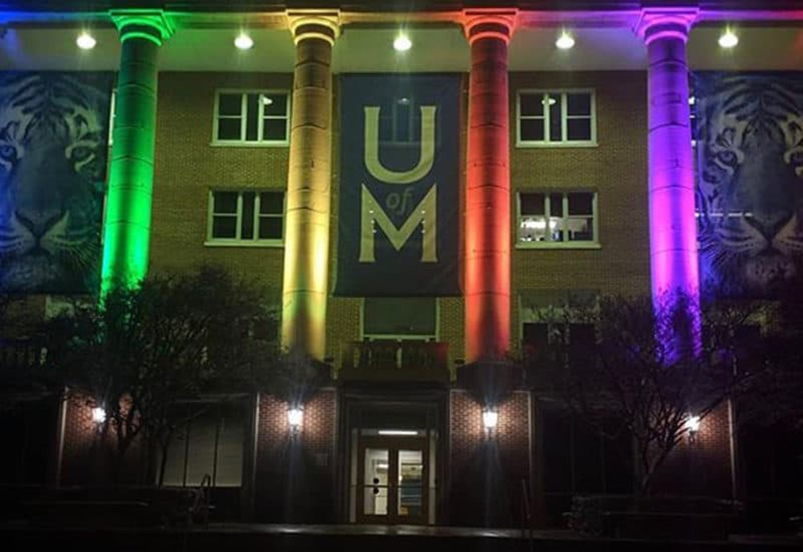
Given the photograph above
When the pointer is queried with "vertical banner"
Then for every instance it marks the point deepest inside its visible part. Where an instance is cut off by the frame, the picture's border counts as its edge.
(749, 142)
(54, 140)
(399, 185)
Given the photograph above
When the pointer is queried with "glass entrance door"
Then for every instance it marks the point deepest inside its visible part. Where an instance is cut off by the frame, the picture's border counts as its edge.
(392, 481)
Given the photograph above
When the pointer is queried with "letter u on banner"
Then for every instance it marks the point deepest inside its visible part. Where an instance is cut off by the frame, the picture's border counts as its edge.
(427, 151)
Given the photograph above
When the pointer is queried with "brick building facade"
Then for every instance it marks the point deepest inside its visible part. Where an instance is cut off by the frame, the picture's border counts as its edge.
(365, 430)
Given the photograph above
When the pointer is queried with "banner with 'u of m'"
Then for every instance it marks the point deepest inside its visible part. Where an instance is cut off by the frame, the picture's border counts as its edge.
(398, 213)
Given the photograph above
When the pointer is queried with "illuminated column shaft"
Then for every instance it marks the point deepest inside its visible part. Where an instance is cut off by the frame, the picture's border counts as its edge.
(487, 223)
(306, 245)
(126, 232)
(673, 227)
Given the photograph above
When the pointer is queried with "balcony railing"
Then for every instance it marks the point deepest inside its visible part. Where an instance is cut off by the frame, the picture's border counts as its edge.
(390, 360)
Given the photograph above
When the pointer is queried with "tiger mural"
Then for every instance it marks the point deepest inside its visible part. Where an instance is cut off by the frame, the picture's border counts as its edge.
(749, 141)
(53, 150)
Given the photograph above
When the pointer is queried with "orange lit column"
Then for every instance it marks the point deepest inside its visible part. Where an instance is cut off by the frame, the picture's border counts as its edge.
(306, 246)
(487, 224)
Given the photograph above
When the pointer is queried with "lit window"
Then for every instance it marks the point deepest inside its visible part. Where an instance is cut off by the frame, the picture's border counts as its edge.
(557, 219)
(553, 118)
(252, 117)
(400, 318)
(400, 122)
(245, 217)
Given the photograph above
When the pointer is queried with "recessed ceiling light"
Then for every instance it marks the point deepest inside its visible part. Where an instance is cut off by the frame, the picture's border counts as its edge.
(243, 42)
(565, 41)
(728, 39)
(85, 41)
(402, 43)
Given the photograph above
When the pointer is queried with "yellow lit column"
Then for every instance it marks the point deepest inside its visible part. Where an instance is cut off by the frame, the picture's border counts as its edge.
(309, 186)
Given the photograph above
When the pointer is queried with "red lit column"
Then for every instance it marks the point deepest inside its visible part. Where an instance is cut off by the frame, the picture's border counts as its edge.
(487, 224)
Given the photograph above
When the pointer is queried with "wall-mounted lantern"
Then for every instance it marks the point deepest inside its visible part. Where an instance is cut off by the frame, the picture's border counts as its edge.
(295, 418)
(490, 419)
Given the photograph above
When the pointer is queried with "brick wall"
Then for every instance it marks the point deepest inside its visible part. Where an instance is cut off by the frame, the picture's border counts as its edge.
(187, 167)
(701, 466)
(616, 168)
(295, 472)
(486, 472)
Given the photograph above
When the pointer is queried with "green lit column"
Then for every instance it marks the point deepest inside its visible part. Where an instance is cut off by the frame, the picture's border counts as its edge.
(309, 186)
(126, 232)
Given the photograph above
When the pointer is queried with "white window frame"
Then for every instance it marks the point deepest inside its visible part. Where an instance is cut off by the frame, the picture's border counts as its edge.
(565, 244)
(565, 143)
(237, 241)
(401, 337)
(259, 142)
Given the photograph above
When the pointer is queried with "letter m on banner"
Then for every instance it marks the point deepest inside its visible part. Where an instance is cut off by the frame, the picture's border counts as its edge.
(399, 199)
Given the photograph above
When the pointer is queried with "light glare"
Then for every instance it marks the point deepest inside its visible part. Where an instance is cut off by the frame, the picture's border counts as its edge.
(243, 42)
(490, 418)
(402, 43)
(98, 415)
(728, 39)
(565, 41)
(85, 41)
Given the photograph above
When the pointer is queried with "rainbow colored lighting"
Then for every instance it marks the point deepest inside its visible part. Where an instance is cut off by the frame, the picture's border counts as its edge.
(673, 227)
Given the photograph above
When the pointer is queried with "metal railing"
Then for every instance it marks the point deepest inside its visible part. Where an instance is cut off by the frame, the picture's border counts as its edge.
(395, 360)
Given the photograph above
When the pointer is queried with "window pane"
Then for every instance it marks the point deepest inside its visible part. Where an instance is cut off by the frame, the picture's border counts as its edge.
(270, 228)
(581, 204)
(271, 203)
(224, 227)
(578, 104)
(578, 129)
(531, 130)
(274, 129)
(531, 104)
(555, 125)
(581, 228)
(252, 118)
(556, 205)
(228, 129)
(201, 453)
(274, 104)
(532, 229)
(247, 232)
(225, 202)
(229, 471)
(229, 104)
(399, 316)
(402, 122)
(531, 204)
(174, 466)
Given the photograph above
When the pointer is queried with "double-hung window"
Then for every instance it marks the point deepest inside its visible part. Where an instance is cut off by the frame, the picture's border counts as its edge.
(251, 117)
(245, 217)
(562, 219)
(556, 118)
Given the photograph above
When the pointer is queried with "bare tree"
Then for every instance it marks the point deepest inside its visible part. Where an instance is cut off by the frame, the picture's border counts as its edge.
(143, 350)
(631, 373)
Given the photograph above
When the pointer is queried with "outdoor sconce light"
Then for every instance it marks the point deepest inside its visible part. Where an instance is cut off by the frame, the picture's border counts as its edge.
(692, 425)
(490, 418)
(295, 417)
(98, 415)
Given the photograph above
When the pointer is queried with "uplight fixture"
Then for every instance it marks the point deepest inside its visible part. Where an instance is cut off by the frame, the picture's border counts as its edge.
(728, 39)
(692, 425)
(295, 417)
(490, 419)
(243, 42)
(402, 43)
(85, 41)
(98, 415)
(565, 41)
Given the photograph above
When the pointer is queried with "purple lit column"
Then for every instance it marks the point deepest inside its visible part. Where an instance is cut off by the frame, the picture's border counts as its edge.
(673, 228)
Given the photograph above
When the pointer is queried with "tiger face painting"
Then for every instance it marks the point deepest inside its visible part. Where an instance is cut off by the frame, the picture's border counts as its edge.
(53, 149)
(750, 181)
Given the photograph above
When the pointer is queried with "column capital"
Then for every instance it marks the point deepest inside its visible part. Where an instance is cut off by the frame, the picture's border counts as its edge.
(489, 23)
(322, 24)
(663, 22)
(153, 25)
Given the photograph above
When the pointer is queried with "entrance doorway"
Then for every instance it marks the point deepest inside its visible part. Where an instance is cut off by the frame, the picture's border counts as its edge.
(393, 480)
